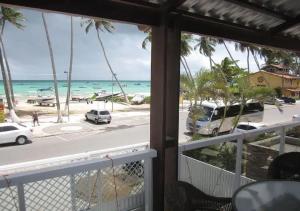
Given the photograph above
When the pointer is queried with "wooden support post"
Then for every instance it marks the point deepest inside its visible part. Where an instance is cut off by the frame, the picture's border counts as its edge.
(165, 76)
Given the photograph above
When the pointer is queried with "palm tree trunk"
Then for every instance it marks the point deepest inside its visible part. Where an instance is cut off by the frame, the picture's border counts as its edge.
(59, 118)
(7, 66)
(256, 61)
(238, 117)
(210, 63)
(12, 112)
(213, 62)
(223, 117)
(186, 70)
(67, 109)
(109, 66)
(187, 66)
(231, 57)
(248, 65)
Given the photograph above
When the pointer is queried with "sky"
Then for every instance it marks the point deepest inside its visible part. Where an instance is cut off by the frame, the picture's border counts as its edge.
(28, 53)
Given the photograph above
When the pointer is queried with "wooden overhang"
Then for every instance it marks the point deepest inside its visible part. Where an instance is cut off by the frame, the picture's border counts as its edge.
(270, 22)
(273, 23)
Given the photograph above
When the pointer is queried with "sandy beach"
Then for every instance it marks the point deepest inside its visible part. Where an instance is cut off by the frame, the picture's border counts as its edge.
(24, 109)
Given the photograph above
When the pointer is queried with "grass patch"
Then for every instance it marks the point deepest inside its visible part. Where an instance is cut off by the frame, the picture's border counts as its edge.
(119, 99)
(147, 100)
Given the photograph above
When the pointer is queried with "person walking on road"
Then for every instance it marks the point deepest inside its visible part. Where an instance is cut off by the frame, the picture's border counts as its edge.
(35, 118)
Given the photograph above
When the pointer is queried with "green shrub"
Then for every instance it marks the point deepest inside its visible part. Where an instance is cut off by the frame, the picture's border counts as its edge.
(278, 92)
(148, 100)
(119, 99)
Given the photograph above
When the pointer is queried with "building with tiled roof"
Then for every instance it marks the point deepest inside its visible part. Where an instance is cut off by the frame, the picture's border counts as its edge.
(289, 84)
(276, 68)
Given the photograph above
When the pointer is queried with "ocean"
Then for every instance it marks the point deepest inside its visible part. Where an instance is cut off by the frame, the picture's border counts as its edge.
(25, 88)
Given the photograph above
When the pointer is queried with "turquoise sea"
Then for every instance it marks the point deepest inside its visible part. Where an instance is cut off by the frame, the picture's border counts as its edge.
(25, 88)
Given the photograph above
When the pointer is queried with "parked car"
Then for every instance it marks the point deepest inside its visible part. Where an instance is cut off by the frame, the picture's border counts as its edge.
(245, 126)
(14, 133)
(138, 99)
(296, 117)
(288, 100)
(274, 101)
(98, 116)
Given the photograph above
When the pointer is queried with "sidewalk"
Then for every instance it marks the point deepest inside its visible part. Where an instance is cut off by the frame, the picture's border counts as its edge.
(77, 124)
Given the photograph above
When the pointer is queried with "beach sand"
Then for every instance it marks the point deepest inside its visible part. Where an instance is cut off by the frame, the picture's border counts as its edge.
(24, 109)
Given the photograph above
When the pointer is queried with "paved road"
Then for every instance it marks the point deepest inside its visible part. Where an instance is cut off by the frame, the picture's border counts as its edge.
(122, 131)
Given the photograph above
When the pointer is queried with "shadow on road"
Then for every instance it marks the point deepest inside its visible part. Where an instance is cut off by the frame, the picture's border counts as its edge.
(14, 144)
(94, 123)
(108, 129)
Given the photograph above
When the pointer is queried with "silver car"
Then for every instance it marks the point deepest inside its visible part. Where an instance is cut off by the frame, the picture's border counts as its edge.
(98, 116)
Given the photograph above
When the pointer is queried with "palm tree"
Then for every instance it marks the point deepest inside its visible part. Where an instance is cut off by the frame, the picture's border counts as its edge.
(196, 91)
(67, 105)
(15, 18)
(221, 92)
(103, 25)
(206, 47)
(242, 47)
(59, 117)
(185, 47)
(221, 41)
(185, 50)
(147, 39)
(12, 112)
(246, 92)
(229, 70)
(255, 51)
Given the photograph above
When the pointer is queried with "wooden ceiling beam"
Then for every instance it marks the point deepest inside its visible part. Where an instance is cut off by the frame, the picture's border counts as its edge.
(193, 23)
(171, 5)
(264, 10)
(286, 25)
(93, 8)
(217, 28)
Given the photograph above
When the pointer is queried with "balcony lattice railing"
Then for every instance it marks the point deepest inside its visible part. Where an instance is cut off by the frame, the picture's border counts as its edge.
(252, 153)
(123, 181)
(120, 182)
(67, 159)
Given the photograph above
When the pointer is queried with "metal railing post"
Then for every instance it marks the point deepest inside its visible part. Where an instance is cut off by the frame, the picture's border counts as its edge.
(99, 189)
(72, 184)
(179, 163)
(238, 163)
(148, 184)
(282, 141)
(21, 197)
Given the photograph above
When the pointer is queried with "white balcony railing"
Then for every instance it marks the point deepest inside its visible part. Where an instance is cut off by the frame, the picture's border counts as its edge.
(120, 182)
(124, 181)
(67, 159)
(220, 182)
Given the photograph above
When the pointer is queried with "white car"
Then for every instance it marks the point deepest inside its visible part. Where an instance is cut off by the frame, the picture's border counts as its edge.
(296, 117)
(14, 133)
(279, 101)
(245, 126)
(98, 116)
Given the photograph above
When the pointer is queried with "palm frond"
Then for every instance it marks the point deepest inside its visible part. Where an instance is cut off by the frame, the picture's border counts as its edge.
(99, 24)
(12, 16)
(147, 40)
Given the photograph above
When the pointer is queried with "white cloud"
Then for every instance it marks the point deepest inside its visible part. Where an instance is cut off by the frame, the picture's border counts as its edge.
(28, 54)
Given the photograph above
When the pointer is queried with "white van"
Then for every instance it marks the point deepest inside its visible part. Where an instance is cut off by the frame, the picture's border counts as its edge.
(210, 121)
